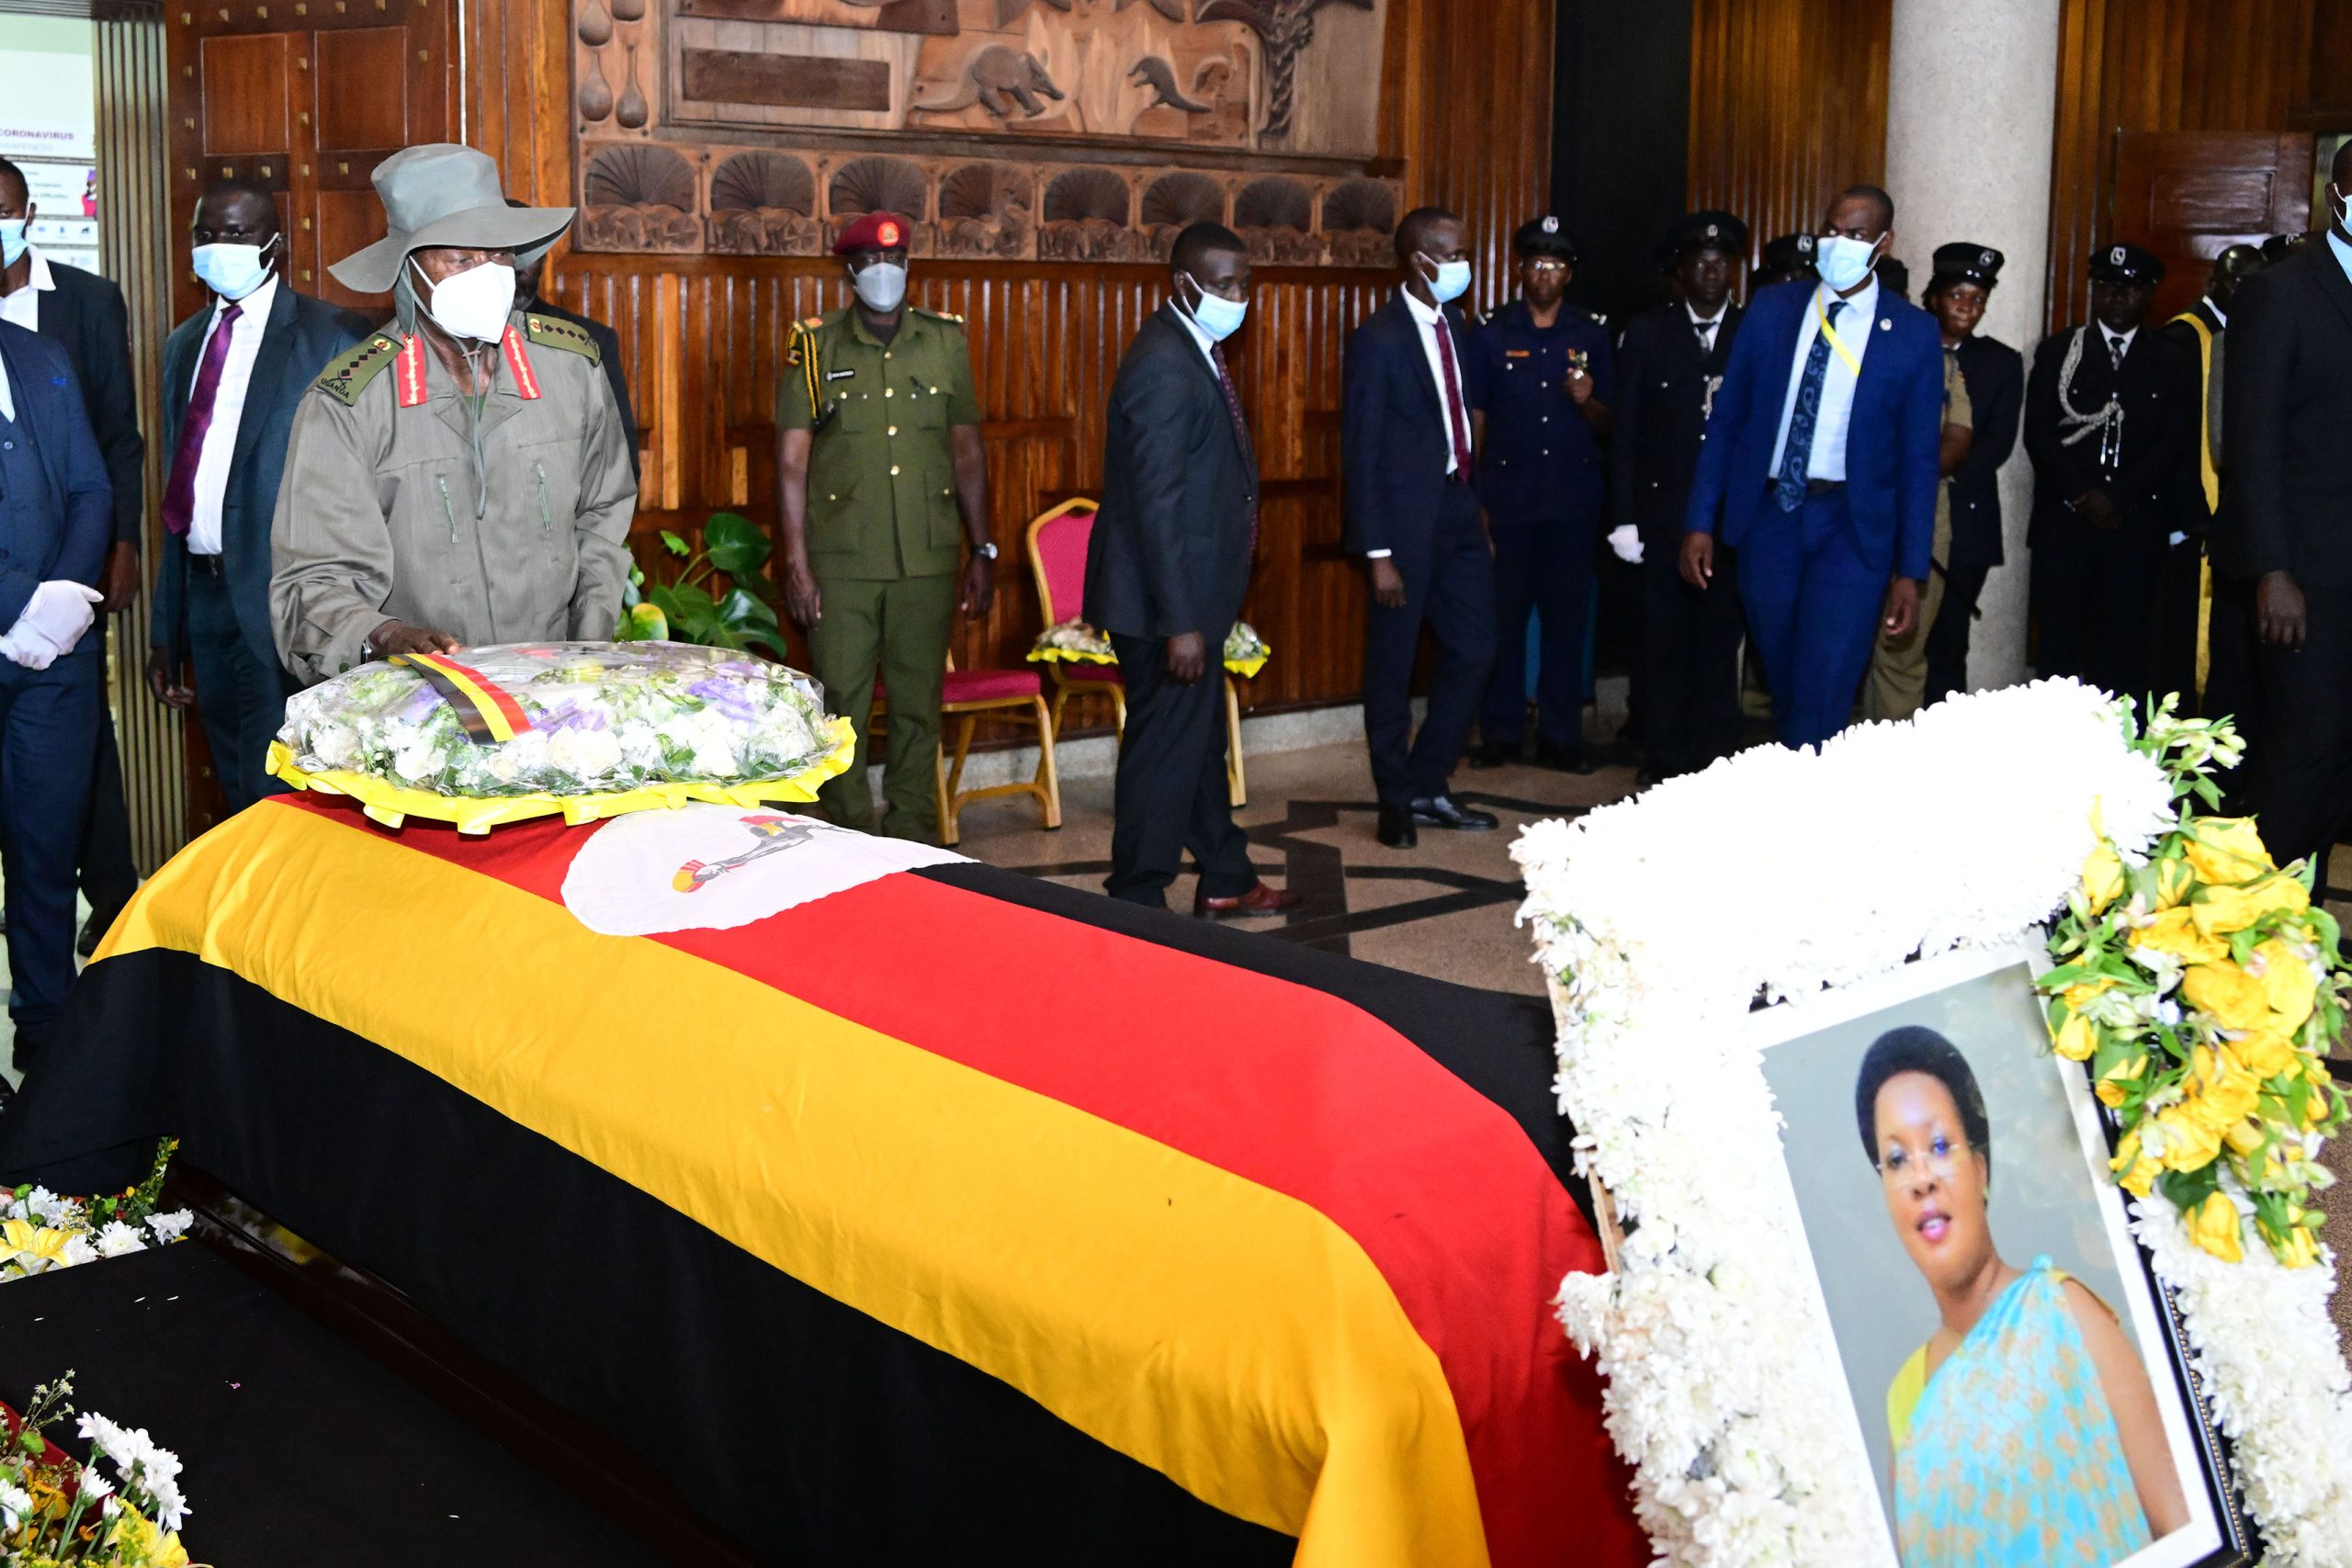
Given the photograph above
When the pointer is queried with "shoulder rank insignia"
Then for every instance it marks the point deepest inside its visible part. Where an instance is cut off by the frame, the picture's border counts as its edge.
(550, 332)
(952, 319)
(349, 375)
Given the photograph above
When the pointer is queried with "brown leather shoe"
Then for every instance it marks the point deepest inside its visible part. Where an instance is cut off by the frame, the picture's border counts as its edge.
(1260, 900)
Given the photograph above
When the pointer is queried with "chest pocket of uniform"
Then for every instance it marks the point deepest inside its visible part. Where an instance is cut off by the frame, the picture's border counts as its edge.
(543, 490)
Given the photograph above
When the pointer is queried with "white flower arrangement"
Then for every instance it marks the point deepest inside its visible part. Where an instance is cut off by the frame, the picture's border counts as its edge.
(41, 1231)
(54, 1509)
(1844, 867)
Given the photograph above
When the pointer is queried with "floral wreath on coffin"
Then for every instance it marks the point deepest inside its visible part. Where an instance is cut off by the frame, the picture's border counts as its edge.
(2195, 978)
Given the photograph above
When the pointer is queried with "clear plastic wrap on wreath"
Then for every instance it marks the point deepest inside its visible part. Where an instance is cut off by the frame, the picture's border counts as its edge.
(597, 718)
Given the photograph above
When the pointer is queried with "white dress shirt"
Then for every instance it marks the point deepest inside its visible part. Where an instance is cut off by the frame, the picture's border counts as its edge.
(23, 306)
(2218, 314)
(1855, 326)
(228, 410)
(7, 399)
(1705, 326)
(1433, 321)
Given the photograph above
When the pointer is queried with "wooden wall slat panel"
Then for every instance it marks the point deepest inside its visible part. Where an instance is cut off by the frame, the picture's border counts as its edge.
(1788, 106)
(2174, 66)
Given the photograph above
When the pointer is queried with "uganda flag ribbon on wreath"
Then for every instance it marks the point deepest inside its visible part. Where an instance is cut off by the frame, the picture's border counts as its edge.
(1100, 1225)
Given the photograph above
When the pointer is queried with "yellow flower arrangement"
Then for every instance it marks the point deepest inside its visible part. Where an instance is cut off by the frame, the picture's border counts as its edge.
(2201, 989)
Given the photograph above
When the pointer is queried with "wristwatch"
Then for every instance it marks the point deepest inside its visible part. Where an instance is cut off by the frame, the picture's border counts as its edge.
(986, 550)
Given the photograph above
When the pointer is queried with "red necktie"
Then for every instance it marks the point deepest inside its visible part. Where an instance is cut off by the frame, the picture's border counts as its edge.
(1241, 430)
(1456, 425)
(179, 493)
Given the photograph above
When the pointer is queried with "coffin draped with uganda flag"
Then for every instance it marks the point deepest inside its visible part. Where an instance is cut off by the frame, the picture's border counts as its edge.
(902, 1209)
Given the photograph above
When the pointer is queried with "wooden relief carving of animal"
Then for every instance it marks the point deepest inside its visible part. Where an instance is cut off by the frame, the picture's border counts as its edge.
(998, 78)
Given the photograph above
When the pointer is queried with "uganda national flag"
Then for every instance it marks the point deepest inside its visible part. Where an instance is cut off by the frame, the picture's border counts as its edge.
(903, 1209)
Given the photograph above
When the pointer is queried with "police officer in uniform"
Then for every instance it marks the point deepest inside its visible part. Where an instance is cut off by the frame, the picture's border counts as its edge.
(1669, 368)
(2110, 413)
(882, 482)
(1993, 374)
(1541, 389)
(462, 478)
(1788, 259)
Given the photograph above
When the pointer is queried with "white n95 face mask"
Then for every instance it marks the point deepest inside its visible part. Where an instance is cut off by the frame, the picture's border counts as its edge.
(882, 287)
(231, 271)
(473, 303)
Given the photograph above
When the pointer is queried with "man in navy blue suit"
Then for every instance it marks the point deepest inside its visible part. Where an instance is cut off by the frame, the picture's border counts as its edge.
(234, 375)
(1412, 515)
(56, 525)
(1820, 468)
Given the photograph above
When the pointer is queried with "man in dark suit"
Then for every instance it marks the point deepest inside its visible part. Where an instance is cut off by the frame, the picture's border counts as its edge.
(1165, 575)
(1820, 468)
(1412, 515)
(233, 374)
(84, 315)
(528, 266)
(1668, 370)
(2109, 424)
(56, 520)
(2286, 523)
(1994, 375)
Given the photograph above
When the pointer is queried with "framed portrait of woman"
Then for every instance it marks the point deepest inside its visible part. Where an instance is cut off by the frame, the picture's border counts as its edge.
(2020, 1391)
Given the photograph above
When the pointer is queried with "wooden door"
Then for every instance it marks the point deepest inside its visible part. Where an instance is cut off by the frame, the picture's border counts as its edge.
(2189, 195)
(306, 96)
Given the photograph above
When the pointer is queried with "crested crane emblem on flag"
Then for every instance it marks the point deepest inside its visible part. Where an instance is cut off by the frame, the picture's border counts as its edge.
(711, 867)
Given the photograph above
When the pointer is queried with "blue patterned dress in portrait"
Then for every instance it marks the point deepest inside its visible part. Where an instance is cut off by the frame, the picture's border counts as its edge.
(2009, 1456)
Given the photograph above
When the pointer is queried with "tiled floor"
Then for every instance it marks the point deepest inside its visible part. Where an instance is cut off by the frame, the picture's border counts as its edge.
(1442, 909)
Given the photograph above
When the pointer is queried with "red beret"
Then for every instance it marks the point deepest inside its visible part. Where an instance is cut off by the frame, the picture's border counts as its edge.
(874, 231)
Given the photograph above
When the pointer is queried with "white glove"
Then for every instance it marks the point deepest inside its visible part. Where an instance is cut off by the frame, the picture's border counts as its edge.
(54, 619)
(1626, 540)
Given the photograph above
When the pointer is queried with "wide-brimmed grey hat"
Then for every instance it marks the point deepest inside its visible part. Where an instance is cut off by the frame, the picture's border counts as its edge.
(442, 194)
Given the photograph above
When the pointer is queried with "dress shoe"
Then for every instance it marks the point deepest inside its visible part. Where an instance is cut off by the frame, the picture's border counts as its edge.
(1260, 900)
(1492, 754)
(1562, 759)
(1396, 829)
(1440, 811)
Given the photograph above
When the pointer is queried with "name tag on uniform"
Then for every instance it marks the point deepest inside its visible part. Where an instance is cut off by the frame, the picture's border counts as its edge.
(839, 375)
(1516, 353)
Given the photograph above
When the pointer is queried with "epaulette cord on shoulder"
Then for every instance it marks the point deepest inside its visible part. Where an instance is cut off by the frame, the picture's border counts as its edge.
(552, 332)
(347, 375)
(801, 351)
(948, 316)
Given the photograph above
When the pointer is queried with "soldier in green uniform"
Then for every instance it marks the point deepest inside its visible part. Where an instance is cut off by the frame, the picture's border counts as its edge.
(882, 482)
(463, 477)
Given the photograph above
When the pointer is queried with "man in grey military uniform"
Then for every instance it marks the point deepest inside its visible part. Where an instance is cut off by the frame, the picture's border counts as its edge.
(463, 477)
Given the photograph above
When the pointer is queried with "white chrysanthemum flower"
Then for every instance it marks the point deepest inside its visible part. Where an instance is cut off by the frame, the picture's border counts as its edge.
(115, 1239)
(14, 1504)
(167, 1228)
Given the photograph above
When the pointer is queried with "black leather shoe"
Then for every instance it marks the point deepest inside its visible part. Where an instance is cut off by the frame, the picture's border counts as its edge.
(1396, 829)
(1565, 760)
(1492, 754)
(1440, 811)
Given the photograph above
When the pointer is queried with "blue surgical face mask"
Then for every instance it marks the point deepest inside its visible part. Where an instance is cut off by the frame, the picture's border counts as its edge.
(1843, 262)
(1452, 282)
(1218, 317)
(231, 271)
(12, 240)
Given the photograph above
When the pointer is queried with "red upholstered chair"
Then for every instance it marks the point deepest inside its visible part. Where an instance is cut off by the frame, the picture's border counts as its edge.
(965, 694)
(1058, 542)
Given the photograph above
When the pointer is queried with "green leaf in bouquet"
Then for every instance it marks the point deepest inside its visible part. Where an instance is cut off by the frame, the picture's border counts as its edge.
(736, 545)
(674, 545)
(2186, 1189)
(753, 622)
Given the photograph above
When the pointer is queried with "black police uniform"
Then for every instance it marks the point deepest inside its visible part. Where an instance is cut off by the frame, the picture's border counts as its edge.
(1994, 374)
(1668, 372)
(2129, 430)
(1540, 481)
